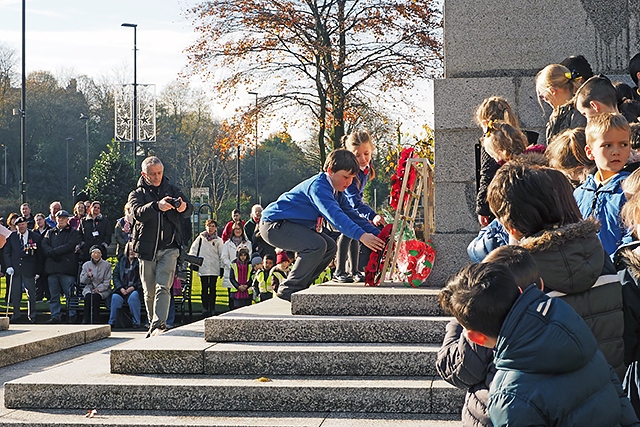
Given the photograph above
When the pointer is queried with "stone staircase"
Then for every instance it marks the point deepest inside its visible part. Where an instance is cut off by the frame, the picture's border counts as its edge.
(345, 349)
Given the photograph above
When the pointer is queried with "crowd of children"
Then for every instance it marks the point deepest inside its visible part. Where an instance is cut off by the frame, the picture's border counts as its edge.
(547, 320)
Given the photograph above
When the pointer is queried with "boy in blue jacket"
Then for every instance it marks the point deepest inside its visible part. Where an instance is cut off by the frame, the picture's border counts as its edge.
(549, 370)
(294, 221)
(601, 195)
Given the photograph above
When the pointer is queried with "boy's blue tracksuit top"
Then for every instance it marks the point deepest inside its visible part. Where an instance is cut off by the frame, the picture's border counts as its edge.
(604, 203)
(315, 197)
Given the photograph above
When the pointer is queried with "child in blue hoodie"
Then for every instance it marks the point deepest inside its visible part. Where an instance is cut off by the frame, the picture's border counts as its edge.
(601, 195)
(294, 221)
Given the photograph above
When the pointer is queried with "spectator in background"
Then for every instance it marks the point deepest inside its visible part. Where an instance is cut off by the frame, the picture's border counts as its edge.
(228, 228)
(61, 265)
(229, 252)
(79, 212)
(250, 226)
(95, 230)
(158, 208)
(42, 284)
(11, 221)
(209, 246)
(123, 230)
(23, 259)
(25, 210)
(96, 275)
(54, 207)
(127, 286)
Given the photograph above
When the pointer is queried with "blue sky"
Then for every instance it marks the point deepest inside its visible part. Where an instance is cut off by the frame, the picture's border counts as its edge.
(74, 37)
(86, 37)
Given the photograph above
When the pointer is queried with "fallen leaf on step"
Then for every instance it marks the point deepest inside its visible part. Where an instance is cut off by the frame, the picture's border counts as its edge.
(91, 413)
(263, 380)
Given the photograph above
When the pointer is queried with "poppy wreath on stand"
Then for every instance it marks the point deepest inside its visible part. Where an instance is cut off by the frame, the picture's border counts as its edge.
(415, 261)
(398, 177)
(372, 272)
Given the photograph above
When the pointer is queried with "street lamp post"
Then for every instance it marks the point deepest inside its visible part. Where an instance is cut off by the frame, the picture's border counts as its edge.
(256, 155)
(86, 128)
(67, 187)
(175, 158)
(23, 116)
(5, 163)
(238, 168)
(135, 93)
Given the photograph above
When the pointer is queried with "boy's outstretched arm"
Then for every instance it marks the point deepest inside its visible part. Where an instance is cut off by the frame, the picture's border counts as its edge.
(372, 242)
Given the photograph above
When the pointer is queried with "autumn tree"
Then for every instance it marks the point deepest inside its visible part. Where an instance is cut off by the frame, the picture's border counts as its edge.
(320, 55)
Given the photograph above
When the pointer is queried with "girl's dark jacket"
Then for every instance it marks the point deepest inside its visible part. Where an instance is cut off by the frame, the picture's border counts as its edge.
(575, 267)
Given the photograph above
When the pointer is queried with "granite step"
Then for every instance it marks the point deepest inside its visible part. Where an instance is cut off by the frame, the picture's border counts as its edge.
(272, 321)
(25, 342)
(355, 299)
(104, 418)
(183, 350)
(87, 383)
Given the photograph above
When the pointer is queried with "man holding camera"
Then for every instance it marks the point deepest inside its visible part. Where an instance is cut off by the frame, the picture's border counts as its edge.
(158, 208)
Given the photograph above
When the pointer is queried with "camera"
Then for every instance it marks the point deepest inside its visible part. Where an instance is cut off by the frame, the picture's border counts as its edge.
(175, 202)
(194, 260)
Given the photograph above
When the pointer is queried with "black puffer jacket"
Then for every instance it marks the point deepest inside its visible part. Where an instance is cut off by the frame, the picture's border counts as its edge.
(469, 367)
(575, 267)
(59, 247)
(567, 118)
(154, 229)
(627, 261)
(94, 231)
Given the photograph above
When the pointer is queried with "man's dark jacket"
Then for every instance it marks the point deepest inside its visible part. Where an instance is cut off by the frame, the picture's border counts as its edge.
(59, 248)
(26, 264)
(153, 229)
(94, 231)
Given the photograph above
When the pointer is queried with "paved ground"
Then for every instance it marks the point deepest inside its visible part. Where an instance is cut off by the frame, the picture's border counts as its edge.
(16, 418)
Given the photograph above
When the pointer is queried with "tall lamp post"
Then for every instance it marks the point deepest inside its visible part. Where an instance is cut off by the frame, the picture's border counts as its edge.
(86, 128)
(67, 187)
(5, 163)
(256, 156)
(135, 93)
(23, 116)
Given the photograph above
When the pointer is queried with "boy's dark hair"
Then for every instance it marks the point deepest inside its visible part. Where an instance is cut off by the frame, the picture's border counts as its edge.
(630, 109)
(578, 64)
(235, 211)
(480, 297)
(269, 256)
(519, 261)
(597, 88)
(567, 206)
(342, 160)
(635, 135)
(522, 198)
(634, 68)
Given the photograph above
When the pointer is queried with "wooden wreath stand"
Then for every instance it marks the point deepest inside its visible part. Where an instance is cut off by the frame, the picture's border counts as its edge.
(409, 208)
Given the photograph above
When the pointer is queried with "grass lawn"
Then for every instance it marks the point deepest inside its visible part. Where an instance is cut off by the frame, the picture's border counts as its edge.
(222, 300)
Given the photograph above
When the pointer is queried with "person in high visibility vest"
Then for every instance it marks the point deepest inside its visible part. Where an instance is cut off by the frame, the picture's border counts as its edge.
(264, 279)
(240, 278)
(281, 269)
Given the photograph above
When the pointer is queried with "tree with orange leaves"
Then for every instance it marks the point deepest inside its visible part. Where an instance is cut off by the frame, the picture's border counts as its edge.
(321, 55)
